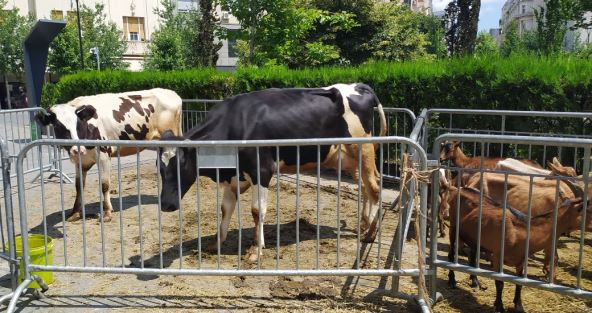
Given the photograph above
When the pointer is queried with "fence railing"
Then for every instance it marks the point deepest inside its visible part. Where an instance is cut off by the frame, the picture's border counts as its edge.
(503, 122)
(305, 224)
(504, 196)
(19, 128)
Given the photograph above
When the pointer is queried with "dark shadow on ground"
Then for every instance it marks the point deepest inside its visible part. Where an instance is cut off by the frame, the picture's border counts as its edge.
(92, 212)
(307, 231)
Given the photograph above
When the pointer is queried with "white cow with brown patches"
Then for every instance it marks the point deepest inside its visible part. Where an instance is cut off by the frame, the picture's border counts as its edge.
(135, 115)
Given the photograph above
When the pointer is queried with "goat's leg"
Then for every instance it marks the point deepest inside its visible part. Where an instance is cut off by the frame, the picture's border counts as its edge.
(499, 288)
(473, 262)
(518, 292)
(451, 241)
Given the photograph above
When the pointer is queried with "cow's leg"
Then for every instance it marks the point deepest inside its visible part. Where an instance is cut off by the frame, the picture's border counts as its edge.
(258, 210)
(371, 190)
(77, 208)
(105, 164)
(228, 205)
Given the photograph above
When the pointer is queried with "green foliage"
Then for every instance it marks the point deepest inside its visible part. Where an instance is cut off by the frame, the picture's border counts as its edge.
(13, 29)
(520, 82)
(485, 45)
(398, 37)
(205, 51)
(349, 42)
(295, 36)
(551, 25)
(461, 21)
(96, 32)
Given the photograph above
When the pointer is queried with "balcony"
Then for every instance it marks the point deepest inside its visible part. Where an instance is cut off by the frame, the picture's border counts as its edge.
(138, 48)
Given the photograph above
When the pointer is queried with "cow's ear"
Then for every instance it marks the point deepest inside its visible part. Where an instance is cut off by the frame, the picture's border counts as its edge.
(85, 112)
(45, 118)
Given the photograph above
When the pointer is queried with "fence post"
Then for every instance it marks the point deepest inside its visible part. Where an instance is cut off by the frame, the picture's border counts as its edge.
(7, 188)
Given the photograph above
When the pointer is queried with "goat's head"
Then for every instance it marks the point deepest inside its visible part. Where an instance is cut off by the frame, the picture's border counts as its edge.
(448, 150)
(557, 169)
(576, 205)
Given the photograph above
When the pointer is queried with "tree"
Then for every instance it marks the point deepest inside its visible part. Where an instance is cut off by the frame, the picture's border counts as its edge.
(293, 34)
(552, 22)
(97, 32)
(185, 39)
(461, 20)
(250, 14)
(485, 45)
(206, 51)
(399, 36)
(168, 50)
(13, 29)
(451, 27)
(349, 41)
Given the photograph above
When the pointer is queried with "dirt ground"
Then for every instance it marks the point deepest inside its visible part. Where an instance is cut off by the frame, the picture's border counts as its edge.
(184, 235)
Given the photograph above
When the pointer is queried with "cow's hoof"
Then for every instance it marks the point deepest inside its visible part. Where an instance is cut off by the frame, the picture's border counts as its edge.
(253, 255)
(212, 248)
(106, 218)
(369, 237)
(73, 217)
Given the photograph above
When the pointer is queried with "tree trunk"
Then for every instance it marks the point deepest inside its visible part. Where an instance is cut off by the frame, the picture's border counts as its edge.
(9, 105)
(251, 45)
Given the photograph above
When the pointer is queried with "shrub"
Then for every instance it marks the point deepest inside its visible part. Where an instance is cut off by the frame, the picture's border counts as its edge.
(521, 82)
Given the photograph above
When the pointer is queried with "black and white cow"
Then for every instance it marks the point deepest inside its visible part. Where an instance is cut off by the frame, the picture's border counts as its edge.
(337, 111)
(136, 115)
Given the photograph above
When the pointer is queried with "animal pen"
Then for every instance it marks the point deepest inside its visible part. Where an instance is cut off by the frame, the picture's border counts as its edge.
(314, 218)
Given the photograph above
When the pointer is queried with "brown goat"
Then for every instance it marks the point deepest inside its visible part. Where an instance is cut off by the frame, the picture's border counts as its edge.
(517, 195)
(452, 151)
(515, 232)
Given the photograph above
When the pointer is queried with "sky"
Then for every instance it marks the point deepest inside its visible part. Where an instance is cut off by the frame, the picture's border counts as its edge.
(491, 10)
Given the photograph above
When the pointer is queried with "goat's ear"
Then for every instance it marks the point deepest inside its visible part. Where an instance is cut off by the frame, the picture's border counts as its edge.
(556, 162)
(456, 143)
(85, 112)
(45, 118)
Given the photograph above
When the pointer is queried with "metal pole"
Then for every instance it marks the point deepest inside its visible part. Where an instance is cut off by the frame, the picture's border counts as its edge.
(79, 36)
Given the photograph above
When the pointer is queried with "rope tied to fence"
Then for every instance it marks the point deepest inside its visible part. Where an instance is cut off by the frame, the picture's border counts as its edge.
(413, 177)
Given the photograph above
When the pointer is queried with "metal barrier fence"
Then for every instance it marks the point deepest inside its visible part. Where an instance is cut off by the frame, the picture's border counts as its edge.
(19, 129)
(517, 197)
(6, 219)
(504, 122)
(318, 220)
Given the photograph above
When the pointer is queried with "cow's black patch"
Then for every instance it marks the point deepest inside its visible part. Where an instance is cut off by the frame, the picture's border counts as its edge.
(137, 135)
(126, 106)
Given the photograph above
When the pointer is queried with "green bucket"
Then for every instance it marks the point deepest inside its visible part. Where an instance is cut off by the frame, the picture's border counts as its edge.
(37, 256)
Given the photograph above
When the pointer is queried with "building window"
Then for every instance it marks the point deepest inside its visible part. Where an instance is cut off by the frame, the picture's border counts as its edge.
(56, 15)
(72, 17)
(232, 53)
(186, 5)
(133, 28)
(524, 9)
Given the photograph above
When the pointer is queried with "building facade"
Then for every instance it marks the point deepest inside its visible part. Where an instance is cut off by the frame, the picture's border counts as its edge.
(135, 19)
(523, 13)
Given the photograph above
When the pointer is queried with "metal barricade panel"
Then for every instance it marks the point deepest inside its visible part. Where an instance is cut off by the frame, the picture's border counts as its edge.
(504, 122)
(314, 220)
(507, 203)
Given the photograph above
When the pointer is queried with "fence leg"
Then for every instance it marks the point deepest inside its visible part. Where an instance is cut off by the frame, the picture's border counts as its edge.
(17, 294)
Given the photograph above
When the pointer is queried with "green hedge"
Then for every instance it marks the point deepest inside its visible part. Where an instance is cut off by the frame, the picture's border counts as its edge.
(520, 82)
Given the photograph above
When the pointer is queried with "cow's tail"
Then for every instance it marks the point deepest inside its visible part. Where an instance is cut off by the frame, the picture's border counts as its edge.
(383, 125)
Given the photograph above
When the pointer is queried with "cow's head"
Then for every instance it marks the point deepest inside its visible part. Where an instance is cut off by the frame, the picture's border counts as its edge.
(177, 171)
(71, 123)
